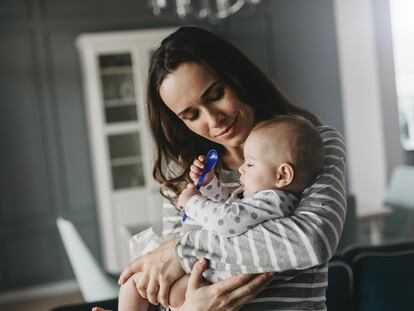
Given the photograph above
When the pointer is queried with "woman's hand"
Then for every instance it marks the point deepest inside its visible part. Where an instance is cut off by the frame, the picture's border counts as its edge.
(228, 295)
(197, 168)
(159, 269)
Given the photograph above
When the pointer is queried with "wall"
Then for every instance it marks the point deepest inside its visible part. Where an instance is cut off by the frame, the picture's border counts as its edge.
(44, 162)
(368, 92)
(295, 43)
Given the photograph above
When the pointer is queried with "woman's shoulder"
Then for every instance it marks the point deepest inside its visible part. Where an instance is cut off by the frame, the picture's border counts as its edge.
(330, 134)
(325, 128)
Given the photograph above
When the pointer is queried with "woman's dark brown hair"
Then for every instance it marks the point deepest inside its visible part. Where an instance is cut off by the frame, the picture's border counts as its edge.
(175, 143)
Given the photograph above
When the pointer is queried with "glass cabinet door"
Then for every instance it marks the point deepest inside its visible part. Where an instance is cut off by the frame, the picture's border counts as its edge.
(117, 84)
(119, 105)
(126, 160)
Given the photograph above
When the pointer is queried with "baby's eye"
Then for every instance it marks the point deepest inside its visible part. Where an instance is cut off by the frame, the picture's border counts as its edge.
(249, 165)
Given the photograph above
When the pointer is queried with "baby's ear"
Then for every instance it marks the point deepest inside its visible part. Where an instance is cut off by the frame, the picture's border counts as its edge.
(284, 175)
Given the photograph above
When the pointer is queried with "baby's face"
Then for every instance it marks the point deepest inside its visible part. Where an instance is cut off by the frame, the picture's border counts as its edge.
(259, 169)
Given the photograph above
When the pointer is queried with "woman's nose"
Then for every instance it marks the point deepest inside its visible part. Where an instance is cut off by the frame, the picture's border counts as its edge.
(215, 118)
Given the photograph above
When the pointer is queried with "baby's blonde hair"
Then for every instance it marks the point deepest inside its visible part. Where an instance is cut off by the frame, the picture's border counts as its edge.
(304, 143)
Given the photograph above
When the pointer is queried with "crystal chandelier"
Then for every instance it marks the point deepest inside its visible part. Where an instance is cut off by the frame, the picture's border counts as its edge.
(212, 10)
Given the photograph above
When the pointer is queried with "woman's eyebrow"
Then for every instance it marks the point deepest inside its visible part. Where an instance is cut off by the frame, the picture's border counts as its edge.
(180, 114)
(208, 89)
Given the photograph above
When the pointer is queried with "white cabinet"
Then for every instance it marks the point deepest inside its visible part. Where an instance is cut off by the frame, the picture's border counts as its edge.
(115, 69)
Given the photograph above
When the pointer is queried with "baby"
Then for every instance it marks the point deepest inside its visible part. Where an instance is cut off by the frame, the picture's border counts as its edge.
(282, 156)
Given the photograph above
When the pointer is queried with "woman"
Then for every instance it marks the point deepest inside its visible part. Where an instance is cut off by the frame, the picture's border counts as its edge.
(204, 93)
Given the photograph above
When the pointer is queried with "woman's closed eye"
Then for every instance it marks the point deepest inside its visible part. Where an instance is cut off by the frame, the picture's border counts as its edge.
(193, 116)
(216, 94)
(189, 115)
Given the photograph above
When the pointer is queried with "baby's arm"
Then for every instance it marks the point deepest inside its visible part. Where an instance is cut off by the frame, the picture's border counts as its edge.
(211, 186)
(233, 218)
(215, 191)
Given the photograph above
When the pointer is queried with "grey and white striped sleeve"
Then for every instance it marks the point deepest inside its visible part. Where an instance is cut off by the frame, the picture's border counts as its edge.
(172, 225)
(307, 238)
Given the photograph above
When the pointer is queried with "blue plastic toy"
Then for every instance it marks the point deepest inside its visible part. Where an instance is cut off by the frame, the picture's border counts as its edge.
(211, 161)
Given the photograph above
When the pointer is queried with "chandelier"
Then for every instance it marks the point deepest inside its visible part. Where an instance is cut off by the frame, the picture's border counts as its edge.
(212, 10)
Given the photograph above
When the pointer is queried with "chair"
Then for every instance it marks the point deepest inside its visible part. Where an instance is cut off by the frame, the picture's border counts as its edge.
(94, 283)
(400, 198)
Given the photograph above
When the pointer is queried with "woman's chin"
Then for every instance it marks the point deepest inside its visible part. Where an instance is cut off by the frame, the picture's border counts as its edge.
(234, 142)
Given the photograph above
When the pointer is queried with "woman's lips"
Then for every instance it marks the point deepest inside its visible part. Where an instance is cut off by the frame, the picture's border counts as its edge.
(228, 131)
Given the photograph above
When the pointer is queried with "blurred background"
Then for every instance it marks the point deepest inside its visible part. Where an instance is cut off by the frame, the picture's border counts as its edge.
(74, 139)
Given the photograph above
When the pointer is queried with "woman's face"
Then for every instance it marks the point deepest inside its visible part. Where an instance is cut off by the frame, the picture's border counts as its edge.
(207, 106)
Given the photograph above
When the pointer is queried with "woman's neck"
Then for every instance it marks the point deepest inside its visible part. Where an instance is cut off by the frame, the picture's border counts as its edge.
(233, 158)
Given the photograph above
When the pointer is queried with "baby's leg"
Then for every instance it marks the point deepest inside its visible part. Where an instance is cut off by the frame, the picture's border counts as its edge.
(177, 292)
(129, 297)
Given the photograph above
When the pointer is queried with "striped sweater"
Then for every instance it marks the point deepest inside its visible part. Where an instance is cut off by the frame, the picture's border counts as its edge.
(297, 247)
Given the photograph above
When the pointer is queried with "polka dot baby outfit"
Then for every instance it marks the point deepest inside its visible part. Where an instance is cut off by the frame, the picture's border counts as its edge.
(223, 213)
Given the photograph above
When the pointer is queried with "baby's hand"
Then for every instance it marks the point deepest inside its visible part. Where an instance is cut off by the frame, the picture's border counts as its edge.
(190, 191)
(197, 168)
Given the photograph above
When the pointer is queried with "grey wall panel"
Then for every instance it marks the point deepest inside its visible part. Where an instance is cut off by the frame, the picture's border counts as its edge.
(94, 8)
(14, 9)
(253, 35)
(70, 116)
(29, 258)
(294, 42)
(23, 169)
(305, 54)
(2, 266)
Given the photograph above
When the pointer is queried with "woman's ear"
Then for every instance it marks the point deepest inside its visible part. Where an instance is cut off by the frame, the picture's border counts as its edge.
(284, 175)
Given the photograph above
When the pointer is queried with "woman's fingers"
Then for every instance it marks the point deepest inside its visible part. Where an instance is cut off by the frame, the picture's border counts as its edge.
(133, 267)
(164, 294)
(196, 275)
(142, 285)
(152, 288)
(168, 274)
(250, 289)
